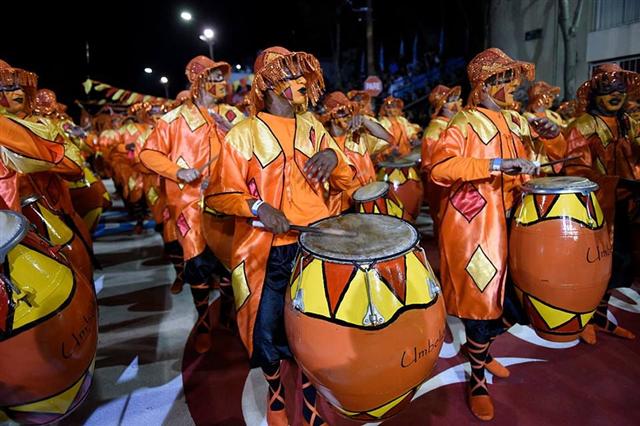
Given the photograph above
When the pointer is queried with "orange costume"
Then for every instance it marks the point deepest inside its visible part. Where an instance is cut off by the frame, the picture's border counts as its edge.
(401, 129)
(541, 97)
(473, 227)
(262, 160)
(608, 144)
(357, 144)
(188, 138)
(438, 98)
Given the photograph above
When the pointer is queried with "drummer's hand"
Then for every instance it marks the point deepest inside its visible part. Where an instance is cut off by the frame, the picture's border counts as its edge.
(320, 166)
(544, 127)
(273, 219)
(518, 166)
(187, 175)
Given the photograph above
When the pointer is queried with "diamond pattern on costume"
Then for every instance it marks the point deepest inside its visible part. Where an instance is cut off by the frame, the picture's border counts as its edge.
(166, 215)
(230, 116)
(253, 189)
(480, 269)
(312, 137)
(182, 163)
(468, 201)
(183, 225)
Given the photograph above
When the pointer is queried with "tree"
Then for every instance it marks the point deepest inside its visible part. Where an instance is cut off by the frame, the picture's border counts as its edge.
(568, 29)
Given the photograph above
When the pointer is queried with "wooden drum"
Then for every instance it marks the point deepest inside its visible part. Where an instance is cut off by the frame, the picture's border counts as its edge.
(560, 255)
(404, 178)
(364, 316)
(376, 198)
(48, 327)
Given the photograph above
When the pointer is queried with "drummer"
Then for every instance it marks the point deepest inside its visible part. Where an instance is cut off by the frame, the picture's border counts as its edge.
(445, 103)
(404, 132)
(481, 160)
(606, 140)
(274, 167)
(359, 137)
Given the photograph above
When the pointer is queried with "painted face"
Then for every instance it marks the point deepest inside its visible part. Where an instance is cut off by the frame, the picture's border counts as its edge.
(453, 104)
(393, 109)
(216, 85)
(501, 87)
(610, 93)
(611, 102)
(12, 99)
(294, 89)
(341, 117)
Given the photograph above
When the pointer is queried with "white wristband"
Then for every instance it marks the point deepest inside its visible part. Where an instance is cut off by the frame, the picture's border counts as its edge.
(256, 206)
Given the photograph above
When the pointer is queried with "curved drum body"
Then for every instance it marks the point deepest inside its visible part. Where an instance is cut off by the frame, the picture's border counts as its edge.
(405, 182)
(90, 198)
(376, 198)
(48, 327)
(559, 255)
(51, 226)
(364, 316)
(218, 232)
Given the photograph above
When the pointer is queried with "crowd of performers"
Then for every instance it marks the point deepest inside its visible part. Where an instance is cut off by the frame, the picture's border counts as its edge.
(225, 185)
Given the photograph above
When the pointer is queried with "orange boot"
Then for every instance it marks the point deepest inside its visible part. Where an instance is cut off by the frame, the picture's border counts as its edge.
(310, 414)
(478, 398)
(491, 364)
(276, 413)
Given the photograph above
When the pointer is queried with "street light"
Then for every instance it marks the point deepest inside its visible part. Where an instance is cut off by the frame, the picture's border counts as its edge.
(165, 82)
(207, 37)
(148, 70)
(186, 16)
(238, 67)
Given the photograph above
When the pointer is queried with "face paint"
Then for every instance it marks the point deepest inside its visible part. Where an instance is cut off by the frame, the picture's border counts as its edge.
(610, 103)
(341, 117)
(453, 104)
(12, 99)
(294, 90)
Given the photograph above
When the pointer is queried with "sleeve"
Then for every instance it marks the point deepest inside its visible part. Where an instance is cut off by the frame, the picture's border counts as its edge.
(449, 163)
(228, 192)
(578, 146)
(553, 149)
(374, 145)
(344, 174)
(155, 152)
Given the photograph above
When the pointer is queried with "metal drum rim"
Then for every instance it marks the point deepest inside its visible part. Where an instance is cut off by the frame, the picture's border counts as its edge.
(30, 199)
(591, 187)
(23, 229)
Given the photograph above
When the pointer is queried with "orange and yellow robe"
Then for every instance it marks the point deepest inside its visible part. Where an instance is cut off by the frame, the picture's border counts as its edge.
(185, 137)
(606, 155)
(230, 113)
(358, 146)
(473, 221)
(403, 133)
(262, 159)
(430, 137)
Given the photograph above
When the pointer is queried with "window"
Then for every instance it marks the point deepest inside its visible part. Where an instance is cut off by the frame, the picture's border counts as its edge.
(614, 13)
(630, 63)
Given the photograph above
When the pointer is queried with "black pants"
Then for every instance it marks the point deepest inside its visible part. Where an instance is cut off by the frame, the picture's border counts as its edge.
(621, 267)
(269, 338)
(201, 268)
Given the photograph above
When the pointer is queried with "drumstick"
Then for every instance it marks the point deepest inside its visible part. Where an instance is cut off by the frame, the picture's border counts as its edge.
(562, 160)
(326, 231)
(203, 168)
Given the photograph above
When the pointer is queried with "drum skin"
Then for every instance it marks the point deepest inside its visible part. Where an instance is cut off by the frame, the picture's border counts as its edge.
(218, 232)
(560, 260)
(367, 372)
(387, 203)
(48, 349)
(52, 227)
(406, 184)
(90, 198)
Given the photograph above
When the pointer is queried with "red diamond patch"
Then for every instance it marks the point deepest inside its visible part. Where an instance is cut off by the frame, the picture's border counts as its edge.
(253, 189)
(468, 201)
(230, 116)
(312, 137)
(182, 225)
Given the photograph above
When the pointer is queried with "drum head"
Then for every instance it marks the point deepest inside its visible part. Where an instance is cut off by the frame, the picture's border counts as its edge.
(400, 163)
(371, 191)
(560, 185)
(379, 237)
(13, 228)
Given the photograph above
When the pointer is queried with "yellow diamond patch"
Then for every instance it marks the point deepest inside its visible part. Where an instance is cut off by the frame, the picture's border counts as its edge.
(480, 269)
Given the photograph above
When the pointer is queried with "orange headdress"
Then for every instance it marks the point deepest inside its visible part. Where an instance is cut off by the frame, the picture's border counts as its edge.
(610, 74)
(493, 62)
(439, 96)
(45, 102)
(542, 93)
(26, 80)
(389, 102)
(199, 68)
(182, 97)
(334, 102)
(271, 67)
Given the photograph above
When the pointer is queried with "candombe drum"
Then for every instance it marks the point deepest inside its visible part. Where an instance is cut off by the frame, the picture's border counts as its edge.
(52, 227)
(48, 327)
(90, 198)
(559, 255)
(404, 177)
(363, 315)
(375, 198)
(218, 233)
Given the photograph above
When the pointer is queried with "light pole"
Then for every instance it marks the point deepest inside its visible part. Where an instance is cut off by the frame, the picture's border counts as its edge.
(207, 37)
(165, 82)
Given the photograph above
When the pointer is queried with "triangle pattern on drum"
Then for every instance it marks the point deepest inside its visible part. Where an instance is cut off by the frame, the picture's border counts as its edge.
(337, 278)
(394, 273)
(543, 203)
(553, 317)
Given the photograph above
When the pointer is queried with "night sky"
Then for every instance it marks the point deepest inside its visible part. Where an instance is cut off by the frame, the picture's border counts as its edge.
(124, 37)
